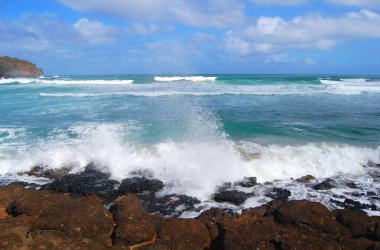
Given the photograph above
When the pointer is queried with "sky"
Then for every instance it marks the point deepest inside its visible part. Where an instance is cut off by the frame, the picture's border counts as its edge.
(87, 37)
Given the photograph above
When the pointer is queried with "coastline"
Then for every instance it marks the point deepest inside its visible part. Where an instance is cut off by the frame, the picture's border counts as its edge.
(32, 219)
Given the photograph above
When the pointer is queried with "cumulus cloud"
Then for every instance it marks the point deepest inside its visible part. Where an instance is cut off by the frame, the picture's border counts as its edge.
(312, 32)
(95, 32)
(200, 13)
(357, 3)
(279, 2)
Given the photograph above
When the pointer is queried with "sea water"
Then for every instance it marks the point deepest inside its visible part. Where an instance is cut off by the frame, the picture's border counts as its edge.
(196, 132)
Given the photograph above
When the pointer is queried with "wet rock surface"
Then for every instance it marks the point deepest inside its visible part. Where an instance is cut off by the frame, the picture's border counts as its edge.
(89, 182)
(234, 197)
(31, 219)
(173, 205)
(247, 182)
(137, 185)
(325, 185)
(279, 194)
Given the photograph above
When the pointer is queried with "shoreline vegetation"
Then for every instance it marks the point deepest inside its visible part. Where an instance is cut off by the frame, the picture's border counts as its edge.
(88, 210)
(17, 68)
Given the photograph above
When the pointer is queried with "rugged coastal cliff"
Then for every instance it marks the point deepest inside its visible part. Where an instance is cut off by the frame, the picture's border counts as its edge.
(14, 68)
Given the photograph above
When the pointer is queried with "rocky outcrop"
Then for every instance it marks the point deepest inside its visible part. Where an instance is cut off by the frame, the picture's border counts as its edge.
(31, 219)
(13, 68)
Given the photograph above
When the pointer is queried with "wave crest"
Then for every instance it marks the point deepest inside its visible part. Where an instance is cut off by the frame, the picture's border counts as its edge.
(185, 78)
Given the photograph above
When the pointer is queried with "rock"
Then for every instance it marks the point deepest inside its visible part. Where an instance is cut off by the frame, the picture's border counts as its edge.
(76, 219)
(225, 186)
(182, 234)
(310, 214)
(134, 225)
(351, 185)
(354, 205)
(325, 185)
(233, 197)
(89, 182)
(357, 222)
(247, 182)
(211, 217)
(138, 185)
(47, 220)
(306, 179)
(279, 194)
(44, 220)
(15, 68)
(173, 205)
(45, 172)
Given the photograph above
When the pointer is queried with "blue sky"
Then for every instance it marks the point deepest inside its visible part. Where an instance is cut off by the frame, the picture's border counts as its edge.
(193, 36)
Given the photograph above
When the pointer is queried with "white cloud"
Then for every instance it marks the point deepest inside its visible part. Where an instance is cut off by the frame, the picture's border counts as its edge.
(95, 32)
(139, 28)
(309, 61)
(279, 2)
(357, 3)
(201, 13)
(312, 32)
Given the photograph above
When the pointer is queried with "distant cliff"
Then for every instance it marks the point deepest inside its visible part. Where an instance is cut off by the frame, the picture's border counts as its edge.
(12, 68)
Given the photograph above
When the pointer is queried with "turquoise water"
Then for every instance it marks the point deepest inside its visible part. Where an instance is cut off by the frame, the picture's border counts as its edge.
(211, 128)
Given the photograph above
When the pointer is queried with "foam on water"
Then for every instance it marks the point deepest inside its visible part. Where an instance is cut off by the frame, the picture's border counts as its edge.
(184, 78)
(17, 80)
(84, 82)
(194, 167)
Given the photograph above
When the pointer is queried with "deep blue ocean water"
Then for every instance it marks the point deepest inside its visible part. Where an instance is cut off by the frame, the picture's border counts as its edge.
(193, 131)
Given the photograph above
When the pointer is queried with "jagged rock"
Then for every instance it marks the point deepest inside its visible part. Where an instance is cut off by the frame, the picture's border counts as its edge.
(351, 185)
(306, 179)
(88, 182)
(138, 185)
(13, 68)
(173, 205)
(325, 185)
(354, 205)
(44, 171)
(47, 220)
(233, 197)
(76, 219)
(225, 186)
(310, 214)
(134, 225)
(247, 182)
(279, 194)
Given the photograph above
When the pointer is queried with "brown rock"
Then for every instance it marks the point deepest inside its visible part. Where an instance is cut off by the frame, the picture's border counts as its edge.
(134, 225)
(182, 234)
(308, 214)
(77, 219)
(12, 68)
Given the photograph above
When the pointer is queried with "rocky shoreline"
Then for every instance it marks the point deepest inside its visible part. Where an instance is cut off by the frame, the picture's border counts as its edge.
(88, 210)
(33, 219)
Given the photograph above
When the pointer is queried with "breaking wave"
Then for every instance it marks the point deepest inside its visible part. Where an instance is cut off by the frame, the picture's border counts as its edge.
(184, 78)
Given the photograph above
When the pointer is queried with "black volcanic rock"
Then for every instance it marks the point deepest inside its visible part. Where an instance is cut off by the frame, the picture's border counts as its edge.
(233, 197)
(279, 194)
(89, 182)
(173, 205)
(138, 185)
(247, 182)
(325, 185)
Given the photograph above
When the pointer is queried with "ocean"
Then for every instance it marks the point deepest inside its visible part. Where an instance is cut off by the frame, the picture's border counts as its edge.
(197, 132)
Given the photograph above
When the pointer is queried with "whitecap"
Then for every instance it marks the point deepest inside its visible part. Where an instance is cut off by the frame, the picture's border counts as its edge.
(184, 78)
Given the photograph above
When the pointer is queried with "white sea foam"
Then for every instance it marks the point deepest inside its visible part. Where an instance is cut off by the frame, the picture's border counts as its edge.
(184, 78)
(84, 82)
(194, 167)
(17, 80)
